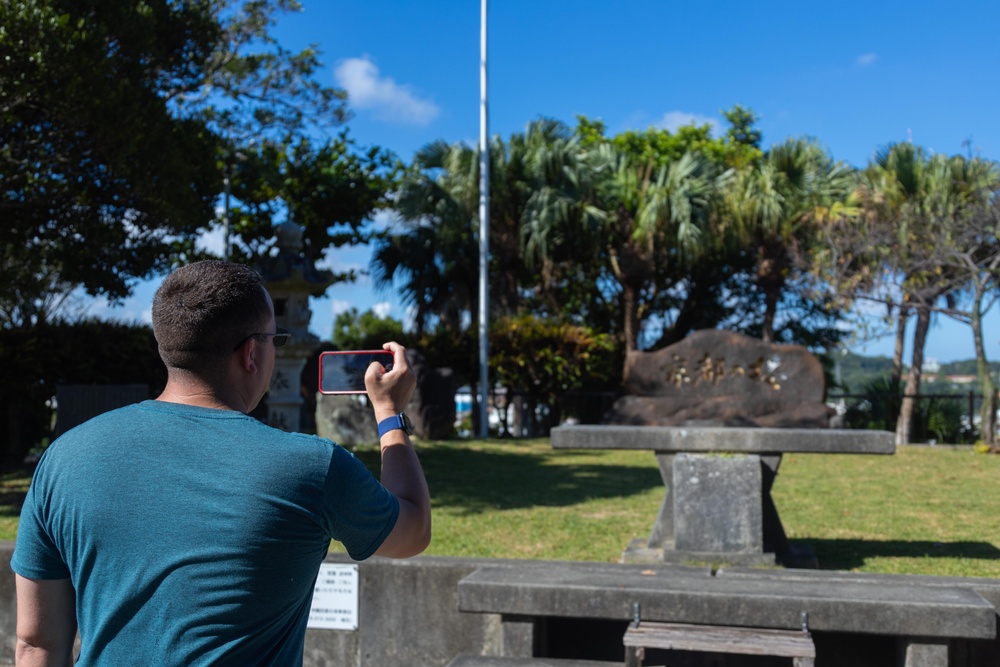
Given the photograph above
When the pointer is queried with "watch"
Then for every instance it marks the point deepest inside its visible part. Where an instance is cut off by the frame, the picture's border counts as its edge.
(392, 423)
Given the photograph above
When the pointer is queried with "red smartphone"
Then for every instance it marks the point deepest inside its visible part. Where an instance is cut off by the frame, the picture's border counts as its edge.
(344, 372)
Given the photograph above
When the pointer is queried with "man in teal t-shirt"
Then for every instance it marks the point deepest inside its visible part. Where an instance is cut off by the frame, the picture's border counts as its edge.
(181, 531)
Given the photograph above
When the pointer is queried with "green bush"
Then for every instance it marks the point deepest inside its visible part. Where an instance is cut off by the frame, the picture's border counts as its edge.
(37, 360)
(540, 360)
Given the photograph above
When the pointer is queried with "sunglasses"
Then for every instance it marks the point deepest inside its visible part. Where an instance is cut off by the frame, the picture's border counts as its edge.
(280, 337)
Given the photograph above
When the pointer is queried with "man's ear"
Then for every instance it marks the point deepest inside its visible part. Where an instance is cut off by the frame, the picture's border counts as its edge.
(248, 355)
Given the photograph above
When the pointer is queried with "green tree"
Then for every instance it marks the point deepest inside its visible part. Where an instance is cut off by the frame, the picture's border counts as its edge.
(685, 295)
(969, 251)
(946, 189)
(914, 206)
(111, 118)
(99, 177)
(776, 206)
(329, 190)
(434, 252)
(365, 331)
(738, 147)
(652, 216)
(540, 360)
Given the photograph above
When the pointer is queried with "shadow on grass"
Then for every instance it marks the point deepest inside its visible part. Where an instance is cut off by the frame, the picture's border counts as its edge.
(849, 554)
(13, 489)
(473, 480)
(477, 481)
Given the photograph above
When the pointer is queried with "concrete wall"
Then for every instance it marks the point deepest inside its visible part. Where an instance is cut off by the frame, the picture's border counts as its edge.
(408, 615)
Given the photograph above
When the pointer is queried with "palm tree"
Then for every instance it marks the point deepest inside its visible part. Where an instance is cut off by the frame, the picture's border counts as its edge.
(635, 219)
(435, 252)
(917, 202)
(775, 206)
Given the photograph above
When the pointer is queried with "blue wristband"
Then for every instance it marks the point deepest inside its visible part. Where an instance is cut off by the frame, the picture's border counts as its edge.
(400, 421)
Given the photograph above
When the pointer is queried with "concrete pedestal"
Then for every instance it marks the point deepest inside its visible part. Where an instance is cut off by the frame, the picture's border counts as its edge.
(728, 516)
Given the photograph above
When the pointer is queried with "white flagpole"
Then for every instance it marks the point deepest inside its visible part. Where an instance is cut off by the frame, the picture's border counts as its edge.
(484, 234)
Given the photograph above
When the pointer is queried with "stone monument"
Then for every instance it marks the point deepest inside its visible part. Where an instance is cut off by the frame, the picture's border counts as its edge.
(719, 410)
(291, 278)
(723, 378)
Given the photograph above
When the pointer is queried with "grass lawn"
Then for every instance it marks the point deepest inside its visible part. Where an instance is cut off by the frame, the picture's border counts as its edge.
(923, 511)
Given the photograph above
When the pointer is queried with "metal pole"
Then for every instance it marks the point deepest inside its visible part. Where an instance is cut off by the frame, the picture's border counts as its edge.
(484, 234)
(225, 214)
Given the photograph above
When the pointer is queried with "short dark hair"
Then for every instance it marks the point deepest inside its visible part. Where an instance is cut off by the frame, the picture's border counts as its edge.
(204, 309)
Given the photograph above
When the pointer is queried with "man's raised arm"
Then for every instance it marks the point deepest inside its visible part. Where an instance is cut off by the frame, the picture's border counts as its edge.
(389, 393)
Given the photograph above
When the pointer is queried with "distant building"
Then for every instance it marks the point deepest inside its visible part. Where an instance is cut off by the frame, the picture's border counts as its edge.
(953, 379)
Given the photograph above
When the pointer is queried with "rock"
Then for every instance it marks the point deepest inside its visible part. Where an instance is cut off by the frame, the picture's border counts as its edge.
(432, 408)
(347, 420)
(715, 377)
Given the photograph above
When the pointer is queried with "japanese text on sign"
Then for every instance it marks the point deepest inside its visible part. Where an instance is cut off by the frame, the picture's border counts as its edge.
(335, 599)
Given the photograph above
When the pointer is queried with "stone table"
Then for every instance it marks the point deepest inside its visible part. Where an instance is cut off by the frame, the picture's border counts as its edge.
(718, 507)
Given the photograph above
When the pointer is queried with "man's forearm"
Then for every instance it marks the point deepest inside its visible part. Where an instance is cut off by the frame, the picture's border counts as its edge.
(46, 622)
(403, 475)
(27, 655)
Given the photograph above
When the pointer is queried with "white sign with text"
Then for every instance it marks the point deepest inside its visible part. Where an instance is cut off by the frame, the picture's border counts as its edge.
(335, 599)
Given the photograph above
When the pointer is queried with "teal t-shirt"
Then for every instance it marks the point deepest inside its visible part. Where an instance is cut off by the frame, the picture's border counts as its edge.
(194, 536)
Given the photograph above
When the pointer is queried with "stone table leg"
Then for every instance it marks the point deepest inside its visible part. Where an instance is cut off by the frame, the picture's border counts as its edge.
(923, 652)
(717, 505)
(517, 636)
(775, 538)
(662, 534)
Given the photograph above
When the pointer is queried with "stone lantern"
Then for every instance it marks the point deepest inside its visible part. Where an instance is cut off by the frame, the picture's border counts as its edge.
(291, 279)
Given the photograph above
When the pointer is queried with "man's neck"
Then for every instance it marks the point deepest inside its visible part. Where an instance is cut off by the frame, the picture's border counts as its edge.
(199, 394)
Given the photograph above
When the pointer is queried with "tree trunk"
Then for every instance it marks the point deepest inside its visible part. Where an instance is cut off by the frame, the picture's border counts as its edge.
(630, 326)
(897, 355)
(770, 309)
(904, 425)
(988, 412)
(698, 300)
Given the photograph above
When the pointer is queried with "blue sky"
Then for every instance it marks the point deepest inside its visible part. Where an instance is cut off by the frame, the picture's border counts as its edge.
(856, 75)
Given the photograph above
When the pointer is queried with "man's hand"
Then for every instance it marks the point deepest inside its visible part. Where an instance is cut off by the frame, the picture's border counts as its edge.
(390, 391)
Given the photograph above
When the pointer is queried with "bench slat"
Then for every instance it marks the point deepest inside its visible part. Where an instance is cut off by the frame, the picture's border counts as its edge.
(719, 639)
(498, 661)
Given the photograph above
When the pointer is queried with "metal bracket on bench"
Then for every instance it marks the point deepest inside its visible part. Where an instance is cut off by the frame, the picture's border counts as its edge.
(635, 614)
(805, 622)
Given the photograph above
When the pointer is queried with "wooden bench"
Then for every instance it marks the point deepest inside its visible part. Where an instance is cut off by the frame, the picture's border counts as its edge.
(923, 618)
(500, 661)
(717, 639)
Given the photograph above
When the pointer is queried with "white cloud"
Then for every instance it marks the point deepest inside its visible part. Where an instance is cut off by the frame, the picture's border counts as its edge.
(382, 309)
(384, 218)
(368, 89)
(672, 120)
(212, 241)
(338, 306)
(866, 59)
(136, 308)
